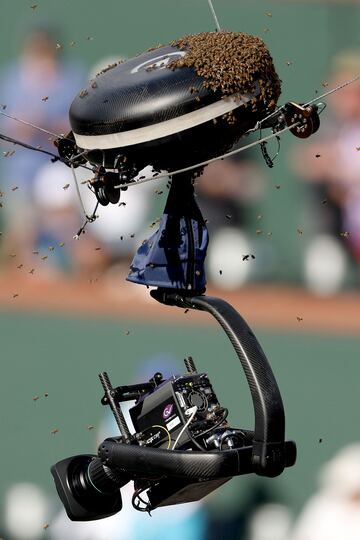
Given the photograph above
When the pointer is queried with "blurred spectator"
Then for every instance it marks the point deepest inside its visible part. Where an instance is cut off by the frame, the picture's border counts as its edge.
(334, 512)
(224, 193)
(38, 88)
(270, 522)
(56, 221)
(331, 163)
(26, 512)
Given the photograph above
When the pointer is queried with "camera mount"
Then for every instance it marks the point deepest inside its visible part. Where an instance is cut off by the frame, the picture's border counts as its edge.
(173, 261)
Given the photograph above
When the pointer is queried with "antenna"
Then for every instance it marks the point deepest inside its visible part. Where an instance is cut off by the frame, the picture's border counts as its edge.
(217, 24)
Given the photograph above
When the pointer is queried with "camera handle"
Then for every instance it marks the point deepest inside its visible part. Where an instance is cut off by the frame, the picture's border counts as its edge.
(268, 454)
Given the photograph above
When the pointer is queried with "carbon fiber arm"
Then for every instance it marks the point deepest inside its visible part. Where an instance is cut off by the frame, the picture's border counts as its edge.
(268, 455)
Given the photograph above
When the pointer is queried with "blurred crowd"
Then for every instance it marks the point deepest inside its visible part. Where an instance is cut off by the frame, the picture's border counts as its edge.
(40, 212)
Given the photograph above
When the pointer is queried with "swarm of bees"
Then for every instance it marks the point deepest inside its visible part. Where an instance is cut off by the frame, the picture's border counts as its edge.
(231, 62)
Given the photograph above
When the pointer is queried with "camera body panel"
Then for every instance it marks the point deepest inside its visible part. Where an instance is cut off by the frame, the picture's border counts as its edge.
(160, 415)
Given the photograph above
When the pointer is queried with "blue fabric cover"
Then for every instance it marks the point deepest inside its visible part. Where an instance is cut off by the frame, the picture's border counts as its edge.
(169, 258)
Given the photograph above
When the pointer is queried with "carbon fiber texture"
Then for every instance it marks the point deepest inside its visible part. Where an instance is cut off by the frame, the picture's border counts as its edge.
(152, 462)
(268, 405)
(122, 100)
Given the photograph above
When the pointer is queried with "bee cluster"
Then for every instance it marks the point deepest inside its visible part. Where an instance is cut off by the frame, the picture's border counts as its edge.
(231, 62)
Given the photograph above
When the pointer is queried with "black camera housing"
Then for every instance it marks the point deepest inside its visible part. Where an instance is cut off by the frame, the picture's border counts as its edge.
(198, 451)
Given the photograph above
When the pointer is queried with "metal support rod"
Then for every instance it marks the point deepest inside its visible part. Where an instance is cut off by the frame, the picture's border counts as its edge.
(115, 407)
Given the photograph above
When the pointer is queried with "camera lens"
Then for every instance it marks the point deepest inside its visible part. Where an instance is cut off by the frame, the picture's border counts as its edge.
(87, 489)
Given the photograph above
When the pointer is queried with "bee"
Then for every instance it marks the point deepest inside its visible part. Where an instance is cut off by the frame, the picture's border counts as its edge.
(45, 99)
(62, 244)
(66, 187)
(72, 43)
(51, 248)
(35, 398)
(54, 431)
(220, 272)
(317, 155)
(127, 332)
(15, 295)
(20, 266)
(299, 319)
(90, 427)
(14, 188)
(186, 310)
(46, 526)
(247, 257)
(345, 234)
(33, 7)
(32, 271)
(44, 258)
(299, 231)
(228, 216)
(97, 248)
(83, 93)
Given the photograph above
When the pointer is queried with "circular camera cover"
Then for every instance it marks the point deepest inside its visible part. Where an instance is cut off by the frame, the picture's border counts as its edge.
(162, 108)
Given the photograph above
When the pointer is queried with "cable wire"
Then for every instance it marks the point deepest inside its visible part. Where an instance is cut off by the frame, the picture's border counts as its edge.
(25, 123)
(214, 15)
(157, 176)
(55, 157)
(192, 414)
